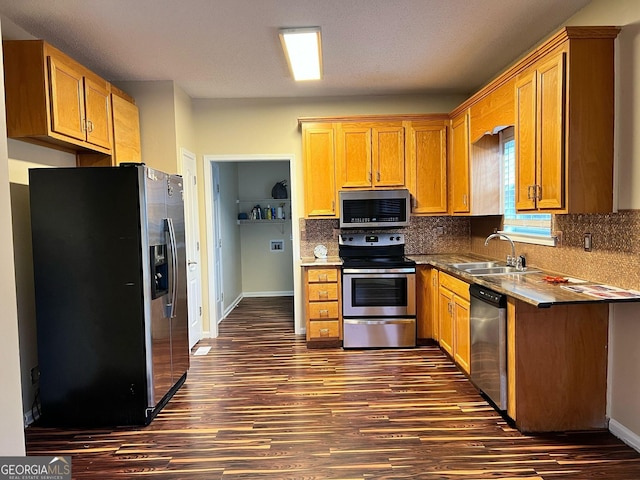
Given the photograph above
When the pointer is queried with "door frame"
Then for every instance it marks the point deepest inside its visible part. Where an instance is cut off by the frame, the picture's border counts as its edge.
(216, 317)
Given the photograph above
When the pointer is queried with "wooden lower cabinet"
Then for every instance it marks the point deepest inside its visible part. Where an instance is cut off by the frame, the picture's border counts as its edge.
(454, 334)
(323, 307)
(557, 366)
(427, 305)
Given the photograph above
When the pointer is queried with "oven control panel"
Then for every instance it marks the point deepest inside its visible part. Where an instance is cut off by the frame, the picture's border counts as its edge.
(368, 240)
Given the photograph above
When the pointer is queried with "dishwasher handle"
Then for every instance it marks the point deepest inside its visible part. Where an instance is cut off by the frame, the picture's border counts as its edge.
(488, 296)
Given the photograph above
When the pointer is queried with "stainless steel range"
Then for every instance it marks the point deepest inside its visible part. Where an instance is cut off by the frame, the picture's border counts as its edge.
(378, 291)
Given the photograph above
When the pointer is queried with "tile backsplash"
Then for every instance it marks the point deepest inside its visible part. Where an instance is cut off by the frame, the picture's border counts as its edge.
(424, 235)
(614, 258)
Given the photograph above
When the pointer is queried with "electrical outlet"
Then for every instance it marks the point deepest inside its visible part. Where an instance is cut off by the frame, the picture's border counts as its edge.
(587, 242)
(35, 375)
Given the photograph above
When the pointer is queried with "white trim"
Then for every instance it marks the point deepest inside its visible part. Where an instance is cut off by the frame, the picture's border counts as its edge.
(230, 308)
(624, 434)
(299, 324)
(268, 294)
(550, 241)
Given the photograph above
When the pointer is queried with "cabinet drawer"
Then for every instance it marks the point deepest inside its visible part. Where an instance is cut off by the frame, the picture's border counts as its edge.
(324, 329)
(323, 291)
(322, 310)
(457, 286)
(316, 275)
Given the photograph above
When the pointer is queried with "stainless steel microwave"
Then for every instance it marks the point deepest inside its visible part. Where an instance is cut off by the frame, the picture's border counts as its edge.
(374, 208)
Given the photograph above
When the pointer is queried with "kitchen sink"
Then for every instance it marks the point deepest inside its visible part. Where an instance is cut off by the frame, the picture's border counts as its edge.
(470, 265)
(476, 272)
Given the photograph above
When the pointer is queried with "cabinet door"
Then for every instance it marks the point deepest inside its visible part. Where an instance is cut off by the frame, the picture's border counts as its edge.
(319, 170)
(446, 326)
(550, 133)
(459, 178)
(427, 303)
(67, 99)
(462, 333)
(429, 165)
(98, 113)
(388, 168)
(354, 156)
(525, 135)
(126, 131)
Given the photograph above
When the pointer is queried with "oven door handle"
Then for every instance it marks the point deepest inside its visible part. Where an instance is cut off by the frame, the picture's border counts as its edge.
(382, 271)
(382, 321)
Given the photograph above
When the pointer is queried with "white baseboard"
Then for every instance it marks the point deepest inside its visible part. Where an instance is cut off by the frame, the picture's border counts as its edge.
(268, 294)
(230, 308)
(624, 434)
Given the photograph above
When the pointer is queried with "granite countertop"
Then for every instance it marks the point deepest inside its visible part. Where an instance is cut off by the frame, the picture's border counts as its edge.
(320, 262)
(529, 287)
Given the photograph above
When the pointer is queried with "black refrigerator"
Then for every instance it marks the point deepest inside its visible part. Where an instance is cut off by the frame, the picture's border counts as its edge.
(110, 289)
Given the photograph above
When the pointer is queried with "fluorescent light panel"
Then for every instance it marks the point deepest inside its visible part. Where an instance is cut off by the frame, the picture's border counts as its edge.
(303, 50)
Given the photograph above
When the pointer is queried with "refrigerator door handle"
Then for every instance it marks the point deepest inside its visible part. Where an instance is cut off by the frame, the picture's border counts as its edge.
(174, 268)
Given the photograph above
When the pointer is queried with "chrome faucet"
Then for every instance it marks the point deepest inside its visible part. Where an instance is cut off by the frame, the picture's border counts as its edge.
(511, 259)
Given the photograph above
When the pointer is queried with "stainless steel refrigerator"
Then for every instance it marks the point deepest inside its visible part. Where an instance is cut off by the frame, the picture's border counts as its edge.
(110, 289)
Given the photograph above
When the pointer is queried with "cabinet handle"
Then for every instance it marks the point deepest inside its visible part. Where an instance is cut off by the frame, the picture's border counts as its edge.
(333, 205)
(464, 199)
(324, 332)
(85, 125)
(538, 192)
(369, 177)
(90, 125)
(378, 176)
(529, 189)
(323, 313)
(323, 294)
(323, 277)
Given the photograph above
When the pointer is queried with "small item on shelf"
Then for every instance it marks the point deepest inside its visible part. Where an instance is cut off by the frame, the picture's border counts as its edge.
(243, 216)
(281, 212)
(279, 190)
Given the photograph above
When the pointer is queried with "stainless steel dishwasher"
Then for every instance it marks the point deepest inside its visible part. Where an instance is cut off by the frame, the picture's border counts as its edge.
(488, 325)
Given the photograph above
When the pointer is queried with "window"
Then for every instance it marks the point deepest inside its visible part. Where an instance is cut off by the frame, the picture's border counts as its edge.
(529, 227)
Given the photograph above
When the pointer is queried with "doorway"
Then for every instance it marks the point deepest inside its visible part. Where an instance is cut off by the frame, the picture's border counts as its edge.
(211, 162)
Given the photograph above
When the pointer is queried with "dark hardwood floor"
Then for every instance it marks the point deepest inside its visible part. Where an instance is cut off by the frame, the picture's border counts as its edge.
(260, 405)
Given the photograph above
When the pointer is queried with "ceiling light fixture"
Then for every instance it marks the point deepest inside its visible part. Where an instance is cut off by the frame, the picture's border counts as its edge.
(303, 49)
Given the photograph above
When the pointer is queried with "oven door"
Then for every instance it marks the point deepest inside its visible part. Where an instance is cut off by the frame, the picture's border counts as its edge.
(379, 292)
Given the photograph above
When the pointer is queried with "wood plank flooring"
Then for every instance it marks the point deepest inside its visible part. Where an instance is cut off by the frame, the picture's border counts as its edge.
(260, 405)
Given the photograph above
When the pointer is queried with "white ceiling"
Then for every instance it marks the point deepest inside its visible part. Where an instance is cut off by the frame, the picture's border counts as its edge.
(230, 48)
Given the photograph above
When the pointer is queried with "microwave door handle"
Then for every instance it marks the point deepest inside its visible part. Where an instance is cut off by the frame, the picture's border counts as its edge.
(174, 268)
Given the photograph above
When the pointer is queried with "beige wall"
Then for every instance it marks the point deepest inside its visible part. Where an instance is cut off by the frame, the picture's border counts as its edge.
(12, 437)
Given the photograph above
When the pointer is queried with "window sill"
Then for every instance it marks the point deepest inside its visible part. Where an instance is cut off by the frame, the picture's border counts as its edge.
(549, 241)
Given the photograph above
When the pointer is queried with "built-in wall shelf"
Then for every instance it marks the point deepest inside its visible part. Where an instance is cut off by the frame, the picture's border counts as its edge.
(247, 206)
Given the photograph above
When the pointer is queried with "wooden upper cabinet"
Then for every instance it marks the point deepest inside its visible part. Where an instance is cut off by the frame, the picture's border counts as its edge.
(492, 113)
(539, 133)
(459, 194)
(564, 124)
(126, 131)
(371, 155)
(52, 99)
(318, 140)
(388, 162)
(426, 147)
(354, 155)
